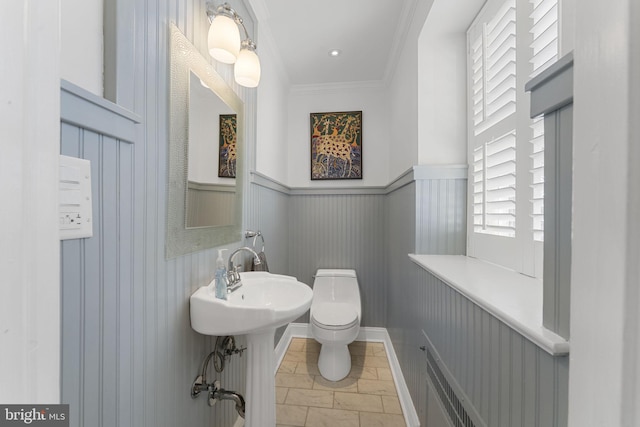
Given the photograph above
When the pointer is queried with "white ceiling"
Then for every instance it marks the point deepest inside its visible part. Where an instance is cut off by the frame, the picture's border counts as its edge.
(368, 32)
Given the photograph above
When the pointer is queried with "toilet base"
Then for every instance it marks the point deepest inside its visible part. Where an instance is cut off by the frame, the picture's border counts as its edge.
(334, 362)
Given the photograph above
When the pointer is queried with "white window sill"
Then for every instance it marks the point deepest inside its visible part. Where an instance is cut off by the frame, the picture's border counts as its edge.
(511, 297)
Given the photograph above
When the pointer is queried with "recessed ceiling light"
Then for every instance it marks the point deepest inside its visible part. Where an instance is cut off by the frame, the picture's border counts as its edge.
(335, 52)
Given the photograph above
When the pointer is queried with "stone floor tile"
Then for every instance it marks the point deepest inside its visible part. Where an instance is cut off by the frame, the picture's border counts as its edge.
(358, 402)
(297, 344)
(310, 369)
(291, 415)
(281, 394)
(384, 374)
(369, 419)
(370, 361)
(305, 397)
(391, 405)
(367, 397)
(364, 372)
(301, 356)
(322, 417)
(376, 347)
(377, 387)
(348, 385)
(287, 367)
(293, 380)
(358, 348)
(312, 345)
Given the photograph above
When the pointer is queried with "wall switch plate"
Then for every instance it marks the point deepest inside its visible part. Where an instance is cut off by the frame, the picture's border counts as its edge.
(75, 212)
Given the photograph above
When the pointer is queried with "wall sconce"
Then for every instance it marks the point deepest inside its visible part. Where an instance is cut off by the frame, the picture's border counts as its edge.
(225, 44)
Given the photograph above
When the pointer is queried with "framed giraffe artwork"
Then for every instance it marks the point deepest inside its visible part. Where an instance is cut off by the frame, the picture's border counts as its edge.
(336, 145)
(227, 146)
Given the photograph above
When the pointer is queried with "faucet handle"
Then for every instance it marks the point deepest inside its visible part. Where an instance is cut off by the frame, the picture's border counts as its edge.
(233, 280)
(232, 276)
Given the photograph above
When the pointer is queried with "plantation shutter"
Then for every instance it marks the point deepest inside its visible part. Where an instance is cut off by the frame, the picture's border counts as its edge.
(493, 85)
(509, 42)
(544, 48)
(537, 179)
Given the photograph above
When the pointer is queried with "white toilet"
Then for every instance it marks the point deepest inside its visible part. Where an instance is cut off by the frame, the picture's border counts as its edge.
(335, 319)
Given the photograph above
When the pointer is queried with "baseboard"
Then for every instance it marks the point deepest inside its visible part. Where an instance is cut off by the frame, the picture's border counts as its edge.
(303, 330)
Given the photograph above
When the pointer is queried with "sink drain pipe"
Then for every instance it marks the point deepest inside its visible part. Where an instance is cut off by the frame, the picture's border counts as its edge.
(223, 349)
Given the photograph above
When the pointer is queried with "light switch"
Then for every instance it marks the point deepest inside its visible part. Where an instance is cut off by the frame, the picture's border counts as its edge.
(75, 213)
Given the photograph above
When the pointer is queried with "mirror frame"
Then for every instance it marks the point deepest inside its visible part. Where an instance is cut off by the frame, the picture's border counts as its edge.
(181, 240)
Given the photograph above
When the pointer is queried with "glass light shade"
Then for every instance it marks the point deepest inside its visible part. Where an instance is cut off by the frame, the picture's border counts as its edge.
(224, 39)
(247, 68)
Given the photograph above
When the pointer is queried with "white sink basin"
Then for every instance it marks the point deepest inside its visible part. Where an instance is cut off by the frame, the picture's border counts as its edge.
(264, 301)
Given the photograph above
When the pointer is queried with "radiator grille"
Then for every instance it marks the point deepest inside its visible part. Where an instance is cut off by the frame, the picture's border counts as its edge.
(452, 404)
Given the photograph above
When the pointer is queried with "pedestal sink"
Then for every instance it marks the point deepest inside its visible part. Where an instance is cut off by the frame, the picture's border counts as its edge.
(263, 303)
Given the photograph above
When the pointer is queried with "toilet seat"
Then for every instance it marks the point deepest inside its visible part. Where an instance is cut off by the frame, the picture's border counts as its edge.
(335, 315)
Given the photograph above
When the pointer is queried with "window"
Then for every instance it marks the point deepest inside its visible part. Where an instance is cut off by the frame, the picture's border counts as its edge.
(509, 42)
(544, 46)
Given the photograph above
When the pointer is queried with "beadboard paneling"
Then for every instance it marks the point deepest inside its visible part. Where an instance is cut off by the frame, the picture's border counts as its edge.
(129, 354)
(401, 307)
(342, 231)
(504, 379)
(97, 286)
(509, 380)
(267, 212)
(441, 216)
(117, 337)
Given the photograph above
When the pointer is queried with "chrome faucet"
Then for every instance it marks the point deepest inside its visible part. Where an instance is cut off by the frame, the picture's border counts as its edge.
(233, 276)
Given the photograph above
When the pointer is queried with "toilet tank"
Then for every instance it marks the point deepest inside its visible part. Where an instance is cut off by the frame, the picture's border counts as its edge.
(336, 285)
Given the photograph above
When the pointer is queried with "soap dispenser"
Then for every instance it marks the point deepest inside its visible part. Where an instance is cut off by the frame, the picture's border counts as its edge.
(221, 276)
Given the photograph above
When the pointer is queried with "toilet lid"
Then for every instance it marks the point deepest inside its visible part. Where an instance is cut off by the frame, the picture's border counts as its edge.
(335, 314)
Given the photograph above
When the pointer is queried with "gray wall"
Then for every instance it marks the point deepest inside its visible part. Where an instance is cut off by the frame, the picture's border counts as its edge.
(349, 228)
(304, 232)
(502, 378)
(342, 231)
(268, 211)
(129, 354)
(441, 216)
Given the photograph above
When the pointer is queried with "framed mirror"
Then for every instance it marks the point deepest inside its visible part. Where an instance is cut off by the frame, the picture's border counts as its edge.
(206, 135)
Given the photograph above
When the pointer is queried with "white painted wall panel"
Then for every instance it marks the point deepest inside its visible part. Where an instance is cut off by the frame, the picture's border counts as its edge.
(379, 140)
(272, 146)
(605, 216)
(29, 237)
(442, 89)
(82, 53)
(403, 96)
(442, 130)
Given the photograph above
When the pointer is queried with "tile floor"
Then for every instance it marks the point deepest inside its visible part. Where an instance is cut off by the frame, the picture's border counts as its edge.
(366, 398)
